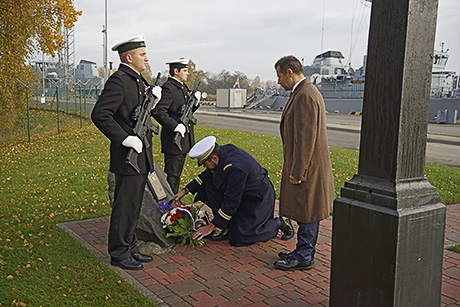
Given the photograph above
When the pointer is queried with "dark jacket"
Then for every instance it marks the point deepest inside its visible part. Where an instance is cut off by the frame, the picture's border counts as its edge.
(112, 114)
(167, 113)
(246, 196)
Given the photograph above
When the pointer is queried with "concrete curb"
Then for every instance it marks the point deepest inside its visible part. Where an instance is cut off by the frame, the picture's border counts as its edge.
(432, 138)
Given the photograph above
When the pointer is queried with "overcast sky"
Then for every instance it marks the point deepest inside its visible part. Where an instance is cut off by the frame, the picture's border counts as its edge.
(247, 36)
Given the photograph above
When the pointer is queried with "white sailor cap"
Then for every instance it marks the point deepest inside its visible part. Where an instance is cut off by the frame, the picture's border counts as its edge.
(132, 43)
(179, 63)
(203, 149)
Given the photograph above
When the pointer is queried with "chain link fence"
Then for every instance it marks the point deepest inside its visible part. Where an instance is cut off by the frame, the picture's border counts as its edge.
(75, 100)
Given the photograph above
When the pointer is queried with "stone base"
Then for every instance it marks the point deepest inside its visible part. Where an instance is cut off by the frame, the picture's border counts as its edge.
(149, 228)
(388, 255)
(150, 248)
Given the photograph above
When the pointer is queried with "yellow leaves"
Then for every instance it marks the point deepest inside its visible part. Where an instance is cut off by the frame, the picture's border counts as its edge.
(32, 25)
(9, 277)
(17, 304)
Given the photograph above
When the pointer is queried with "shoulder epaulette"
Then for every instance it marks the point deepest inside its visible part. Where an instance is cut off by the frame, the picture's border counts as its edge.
(227, 166)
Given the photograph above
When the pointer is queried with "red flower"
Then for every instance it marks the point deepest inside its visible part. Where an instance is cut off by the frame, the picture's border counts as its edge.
(175, 216)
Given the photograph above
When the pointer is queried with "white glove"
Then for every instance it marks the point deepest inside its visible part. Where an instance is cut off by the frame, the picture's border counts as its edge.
(198, 97)
(181, 129)
(156, 92)
(134, 142)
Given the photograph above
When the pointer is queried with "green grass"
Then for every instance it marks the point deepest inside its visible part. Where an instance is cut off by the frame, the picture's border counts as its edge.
(62, 177)
(43, 120)
(455, 248)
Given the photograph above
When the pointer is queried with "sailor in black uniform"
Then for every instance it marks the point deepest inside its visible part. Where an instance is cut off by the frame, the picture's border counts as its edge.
(174, 95)
(112, 114)
(239, 192)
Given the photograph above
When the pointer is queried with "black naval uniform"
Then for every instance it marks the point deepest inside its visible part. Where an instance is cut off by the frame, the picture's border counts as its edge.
(167, 112)
(112, 114)
(241, 197)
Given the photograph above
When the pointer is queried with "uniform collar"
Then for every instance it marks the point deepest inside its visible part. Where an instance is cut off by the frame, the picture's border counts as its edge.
(132, 73)
(222, 158)
(124, 64)
(177, 83)
(176, 80)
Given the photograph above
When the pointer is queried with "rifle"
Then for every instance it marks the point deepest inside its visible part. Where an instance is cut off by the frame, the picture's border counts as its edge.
(186, 117)
(144, 125)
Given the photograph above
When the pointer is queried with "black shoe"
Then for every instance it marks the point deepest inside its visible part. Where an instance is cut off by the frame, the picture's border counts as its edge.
(286, 228)
(291, 264)
(142, 258)
(285, 255)
(223, 235)
(128, 264)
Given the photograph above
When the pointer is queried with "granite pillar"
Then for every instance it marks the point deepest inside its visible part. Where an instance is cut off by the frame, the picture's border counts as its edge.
(388, 224)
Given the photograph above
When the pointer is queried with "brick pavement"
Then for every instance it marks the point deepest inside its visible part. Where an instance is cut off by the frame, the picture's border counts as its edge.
(221, 275)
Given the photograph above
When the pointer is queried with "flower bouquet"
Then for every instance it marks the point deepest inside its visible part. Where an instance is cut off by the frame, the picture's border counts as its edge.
(181, 222)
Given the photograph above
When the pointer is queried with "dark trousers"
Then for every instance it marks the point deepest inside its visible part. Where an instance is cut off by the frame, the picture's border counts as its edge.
(129, 192)
(307, 236)
(173, 169)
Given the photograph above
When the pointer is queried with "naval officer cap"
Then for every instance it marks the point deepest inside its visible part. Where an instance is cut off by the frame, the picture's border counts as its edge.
(203, 149)
(132, 43)
(179, 63)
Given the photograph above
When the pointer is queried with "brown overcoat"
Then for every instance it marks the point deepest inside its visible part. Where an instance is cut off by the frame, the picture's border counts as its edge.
(306, 157)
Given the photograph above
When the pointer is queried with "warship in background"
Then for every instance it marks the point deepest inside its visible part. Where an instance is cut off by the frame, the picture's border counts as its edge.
(340, 83)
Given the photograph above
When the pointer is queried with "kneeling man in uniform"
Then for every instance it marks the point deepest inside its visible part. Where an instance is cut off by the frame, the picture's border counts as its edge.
(238, 191)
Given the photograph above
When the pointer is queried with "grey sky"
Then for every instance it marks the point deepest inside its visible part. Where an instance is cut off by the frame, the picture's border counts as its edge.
(247, 36)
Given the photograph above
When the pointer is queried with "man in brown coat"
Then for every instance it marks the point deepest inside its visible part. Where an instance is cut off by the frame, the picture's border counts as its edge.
(307, 187)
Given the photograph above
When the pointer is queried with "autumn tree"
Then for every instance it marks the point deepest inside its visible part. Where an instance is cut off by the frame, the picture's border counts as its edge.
(148, 76)
(256, 82)
(244, 81)
(194, 76)
(27, 27)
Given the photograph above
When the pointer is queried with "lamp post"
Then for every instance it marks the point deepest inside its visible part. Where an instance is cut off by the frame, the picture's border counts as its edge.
(104, 31)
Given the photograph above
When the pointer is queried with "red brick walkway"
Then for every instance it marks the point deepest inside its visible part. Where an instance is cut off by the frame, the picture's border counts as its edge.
(221, 275)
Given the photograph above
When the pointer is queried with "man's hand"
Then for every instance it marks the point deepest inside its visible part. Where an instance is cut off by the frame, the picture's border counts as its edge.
(202, 232)
(179, 195)
(181, 129)
(293, 180)
(156, 92)
(134, 142)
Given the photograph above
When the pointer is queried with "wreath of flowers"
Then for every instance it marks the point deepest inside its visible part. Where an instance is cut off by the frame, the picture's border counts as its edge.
(181, 222)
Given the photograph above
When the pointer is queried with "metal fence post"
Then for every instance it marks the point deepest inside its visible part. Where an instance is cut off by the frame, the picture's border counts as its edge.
(28, 112)
(57, 105)
(84, 89)
(81, 114)
(75, 95)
